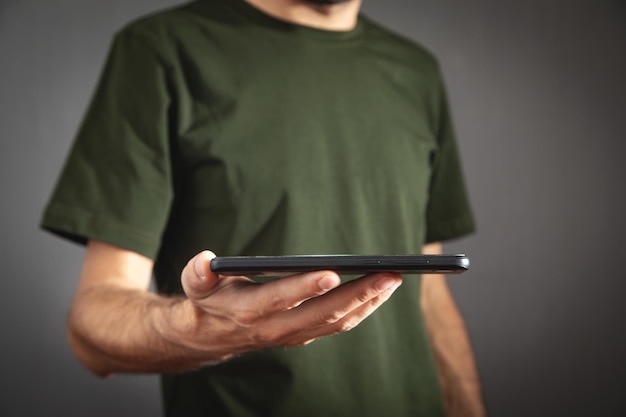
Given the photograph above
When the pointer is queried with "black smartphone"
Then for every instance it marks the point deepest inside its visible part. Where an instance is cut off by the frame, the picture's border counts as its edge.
(346, 264)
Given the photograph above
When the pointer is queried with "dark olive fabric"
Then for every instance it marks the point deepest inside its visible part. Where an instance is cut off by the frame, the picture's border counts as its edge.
(215, 126)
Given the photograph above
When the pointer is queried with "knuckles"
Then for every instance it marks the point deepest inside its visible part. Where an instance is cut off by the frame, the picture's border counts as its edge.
(365, 296)
(330, 317)
(246, 318)
(254, 329)
(267, 338)
(278, 303)
(276, 336)
(346, 325)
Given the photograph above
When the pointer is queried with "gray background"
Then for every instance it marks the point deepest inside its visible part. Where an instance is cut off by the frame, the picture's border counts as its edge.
(539, 98)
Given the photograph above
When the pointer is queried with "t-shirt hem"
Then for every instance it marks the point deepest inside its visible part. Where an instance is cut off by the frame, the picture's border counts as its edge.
(80, 226)
(452, 229)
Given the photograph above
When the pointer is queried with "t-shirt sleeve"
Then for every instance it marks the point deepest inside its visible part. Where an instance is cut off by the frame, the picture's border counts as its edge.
(448, 213)
(116, 185)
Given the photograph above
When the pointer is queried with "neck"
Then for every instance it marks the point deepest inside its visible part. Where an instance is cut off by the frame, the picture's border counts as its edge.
(334, 17)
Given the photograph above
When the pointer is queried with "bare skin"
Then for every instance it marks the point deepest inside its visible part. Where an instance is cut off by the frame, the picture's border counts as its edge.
(336, 17)
(117, 325)
(458, 375)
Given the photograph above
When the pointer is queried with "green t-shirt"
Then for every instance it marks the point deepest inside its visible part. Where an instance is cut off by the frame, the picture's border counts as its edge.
(215, 126)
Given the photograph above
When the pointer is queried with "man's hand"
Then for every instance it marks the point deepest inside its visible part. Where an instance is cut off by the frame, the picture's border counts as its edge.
(234, 314)
(117, 325)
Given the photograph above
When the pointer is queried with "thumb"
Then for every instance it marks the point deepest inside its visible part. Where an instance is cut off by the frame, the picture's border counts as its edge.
(197, 278)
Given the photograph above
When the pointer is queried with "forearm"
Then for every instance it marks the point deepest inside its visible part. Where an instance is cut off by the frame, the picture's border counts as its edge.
(117, 325)
(450, 342)
(114, 329)
(454, 357)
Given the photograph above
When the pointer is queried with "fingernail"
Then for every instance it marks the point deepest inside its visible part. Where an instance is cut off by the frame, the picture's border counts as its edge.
(328, 282)
(387, 284)
(199, 268)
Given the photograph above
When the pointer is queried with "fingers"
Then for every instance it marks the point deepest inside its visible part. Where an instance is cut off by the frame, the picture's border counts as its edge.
(351, 319)
(253, 306)
(199, 281)
(288, 292)
(289, 311)
(370, 290)
(197, 278)
(340, 310)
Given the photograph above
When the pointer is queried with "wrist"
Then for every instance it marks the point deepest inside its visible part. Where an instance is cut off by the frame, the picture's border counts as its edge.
(183, 328)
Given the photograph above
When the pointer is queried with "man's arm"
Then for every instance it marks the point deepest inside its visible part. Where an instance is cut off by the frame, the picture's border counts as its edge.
(116, 325)
(450, 342)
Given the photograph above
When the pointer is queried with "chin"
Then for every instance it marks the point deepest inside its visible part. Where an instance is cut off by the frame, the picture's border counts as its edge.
(326, 2)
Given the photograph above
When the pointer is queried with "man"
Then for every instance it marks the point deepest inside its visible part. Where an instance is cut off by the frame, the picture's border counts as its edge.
(267, 127)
